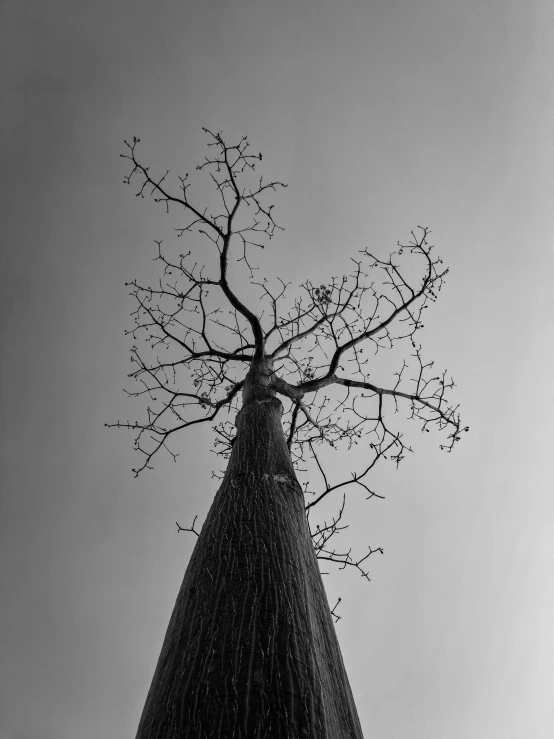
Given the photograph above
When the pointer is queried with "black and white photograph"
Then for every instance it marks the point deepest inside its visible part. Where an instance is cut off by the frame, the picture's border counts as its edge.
(276, 350)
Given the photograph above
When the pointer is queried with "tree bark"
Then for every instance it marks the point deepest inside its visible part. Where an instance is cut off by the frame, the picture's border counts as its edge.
(251, 649)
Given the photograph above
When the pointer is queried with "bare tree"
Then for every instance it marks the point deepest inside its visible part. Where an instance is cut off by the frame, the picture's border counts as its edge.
(251, 650)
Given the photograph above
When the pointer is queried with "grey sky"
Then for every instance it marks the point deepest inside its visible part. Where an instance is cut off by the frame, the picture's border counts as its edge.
(380, 116)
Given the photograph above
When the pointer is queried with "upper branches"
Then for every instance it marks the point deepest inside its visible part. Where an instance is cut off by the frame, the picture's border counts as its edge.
(198, 331)
(325, 348)
(225, 166)
(320, 350)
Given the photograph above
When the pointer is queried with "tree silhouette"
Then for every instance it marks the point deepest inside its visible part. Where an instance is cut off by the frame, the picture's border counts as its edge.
(251, 650)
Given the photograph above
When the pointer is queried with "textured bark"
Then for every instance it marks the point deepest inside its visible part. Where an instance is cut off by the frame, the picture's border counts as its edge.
(251, 649)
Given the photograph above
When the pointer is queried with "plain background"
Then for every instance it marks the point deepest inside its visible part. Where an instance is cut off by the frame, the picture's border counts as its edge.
(380, 116)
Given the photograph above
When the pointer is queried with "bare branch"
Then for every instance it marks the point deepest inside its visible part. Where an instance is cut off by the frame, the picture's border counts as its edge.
(323, 534)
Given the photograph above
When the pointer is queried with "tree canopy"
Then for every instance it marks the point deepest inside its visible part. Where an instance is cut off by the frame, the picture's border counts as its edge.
(314, 350)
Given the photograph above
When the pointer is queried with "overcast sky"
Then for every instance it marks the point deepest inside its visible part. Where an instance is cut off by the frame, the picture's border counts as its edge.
(381, 116)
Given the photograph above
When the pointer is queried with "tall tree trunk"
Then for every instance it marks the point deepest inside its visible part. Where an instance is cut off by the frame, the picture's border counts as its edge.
(251, 649)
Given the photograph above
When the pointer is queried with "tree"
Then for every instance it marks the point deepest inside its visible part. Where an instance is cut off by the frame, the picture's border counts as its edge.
(251, 649)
